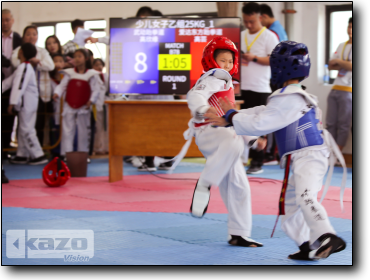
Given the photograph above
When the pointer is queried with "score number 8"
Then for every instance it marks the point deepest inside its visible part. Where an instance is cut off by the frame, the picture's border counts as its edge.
(140, 62)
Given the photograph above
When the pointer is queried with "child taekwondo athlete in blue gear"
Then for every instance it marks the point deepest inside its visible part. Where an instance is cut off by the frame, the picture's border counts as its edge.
(294, 116)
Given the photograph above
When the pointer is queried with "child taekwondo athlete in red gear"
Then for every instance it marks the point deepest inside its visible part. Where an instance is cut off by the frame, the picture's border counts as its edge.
(81, 88)
(220, 145)
(293, 114)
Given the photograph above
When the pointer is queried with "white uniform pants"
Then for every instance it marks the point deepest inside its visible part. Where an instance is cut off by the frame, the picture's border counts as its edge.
(223, 149)
(28, 143)
(101, 135)
(305, 218)
(69, 123)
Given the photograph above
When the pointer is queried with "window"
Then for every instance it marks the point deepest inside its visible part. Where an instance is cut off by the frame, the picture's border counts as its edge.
(336, 31)
(64, 33)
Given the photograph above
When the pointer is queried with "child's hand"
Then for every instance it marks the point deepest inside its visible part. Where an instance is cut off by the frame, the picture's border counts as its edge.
(34, 61)
(55, 97)
(261, 143)
(215, 120)
(225, 104)
(10, 109)
(88, 104)
(248, 56)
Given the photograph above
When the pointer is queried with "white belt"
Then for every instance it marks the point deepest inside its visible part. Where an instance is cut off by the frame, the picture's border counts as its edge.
(334, 154)
(188, 135)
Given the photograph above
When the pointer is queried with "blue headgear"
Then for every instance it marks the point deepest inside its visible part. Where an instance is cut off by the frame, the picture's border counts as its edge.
(289, 60)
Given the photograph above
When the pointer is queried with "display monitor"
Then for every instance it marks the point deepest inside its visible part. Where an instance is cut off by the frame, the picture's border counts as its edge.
(162, 55)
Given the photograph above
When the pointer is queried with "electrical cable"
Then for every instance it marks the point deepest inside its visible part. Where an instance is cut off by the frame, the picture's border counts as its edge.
(250, 179)
(152, 173)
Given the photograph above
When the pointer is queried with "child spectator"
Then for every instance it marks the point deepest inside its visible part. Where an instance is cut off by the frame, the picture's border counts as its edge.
(42, 63)
(80, 86)
(53, 46)
(70, 47)
(101, 134)
(24, 100)
(56, 77)
(92, 114)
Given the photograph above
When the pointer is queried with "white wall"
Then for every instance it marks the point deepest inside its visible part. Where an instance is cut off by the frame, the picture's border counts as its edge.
(309, 26)
(311, 31)
(28, 12)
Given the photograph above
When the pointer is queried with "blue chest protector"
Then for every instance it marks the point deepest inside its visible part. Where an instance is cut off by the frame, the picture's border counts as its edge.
(300, 134)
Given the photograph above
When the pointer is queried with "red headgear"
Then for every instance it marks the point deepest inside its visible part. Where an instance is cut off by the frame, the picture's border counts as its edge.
(55, 173)
(216, 43)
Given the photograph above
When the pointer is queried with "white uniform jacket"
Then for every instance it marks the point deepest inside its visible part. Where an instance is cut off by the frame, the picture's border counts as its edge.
(42, 71)
(201, 95)
(280, 111)
(24, 95)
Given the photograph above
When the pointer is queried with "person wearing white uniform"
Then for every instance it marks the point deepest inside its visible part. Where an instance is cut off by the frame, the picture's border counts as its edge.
(24, 100)
(56, 77)
(80, 87)
(220, 146)
(293, 114)
(42, 64)
(339, 113)
(101, 135)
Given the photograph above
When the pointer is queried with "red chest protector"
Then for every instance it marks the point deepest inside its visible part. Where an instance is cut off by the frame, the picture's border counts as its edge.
(213, 101)
(78, 93)
(78, 90)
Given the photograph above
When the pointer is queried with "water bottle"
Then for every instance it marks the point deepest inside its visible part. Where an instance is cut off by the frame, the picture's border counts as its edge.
(326, 75)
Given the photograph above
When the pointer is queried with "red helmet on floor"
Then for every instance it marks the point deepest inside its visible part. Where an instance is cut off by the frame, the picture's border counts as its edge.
(55, 173)
(216, 43)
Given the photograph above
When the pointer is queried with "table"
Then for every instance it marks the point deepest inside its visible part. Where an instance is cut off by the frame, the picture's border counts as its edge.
(147, 128)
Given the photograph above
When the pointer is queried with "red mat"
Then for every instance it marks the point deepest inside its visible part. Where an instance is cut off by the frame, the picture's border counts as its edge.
(146, 193)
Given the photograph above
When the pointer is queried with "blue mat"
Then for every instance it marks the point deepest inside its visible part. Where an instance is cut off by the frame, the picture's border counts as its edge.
(139, 238)
(100, 167)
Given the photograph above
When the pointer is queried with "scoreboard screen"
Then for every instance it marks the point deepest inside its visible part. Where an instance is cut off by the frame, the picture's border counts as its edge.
(162, 55)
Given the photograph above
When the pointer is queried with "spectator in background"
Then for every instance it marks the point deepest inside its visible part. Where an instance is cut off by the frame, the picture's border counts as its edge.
(5, 63)
(339, 113)
(257, 43)
(55, 79)
(101, 135)
(268, 20)
(70, 47)
(79, 85)
(24, 99)
(42, 63)
(144, 12)
(93, 112)
(53, 46)
(157, 13)
(10, 40)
